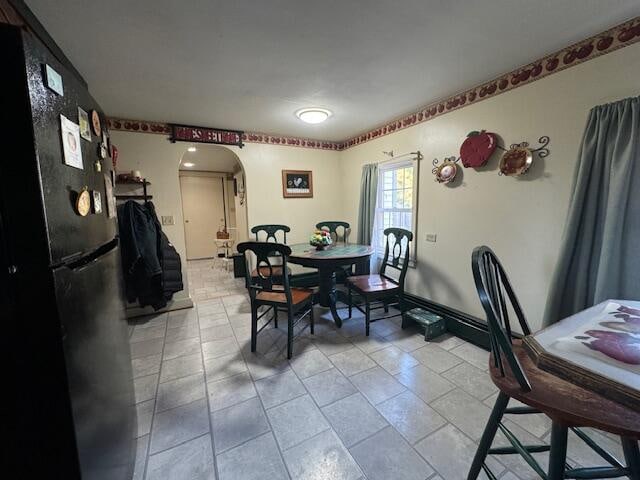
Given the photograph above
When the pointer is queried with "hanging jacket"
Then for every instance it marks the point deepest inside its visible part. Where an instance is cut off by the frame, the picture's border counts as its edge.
(169, 260)
(151, 264)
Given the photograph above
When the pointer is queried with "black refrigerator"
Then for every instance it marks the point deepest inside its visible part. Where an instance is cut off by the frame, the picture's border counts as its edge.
(71, 407)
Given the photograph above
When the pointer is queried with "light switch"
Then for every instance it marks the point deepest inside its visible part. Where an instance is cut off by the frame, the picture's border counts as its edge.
(431, 237)
(167, 220)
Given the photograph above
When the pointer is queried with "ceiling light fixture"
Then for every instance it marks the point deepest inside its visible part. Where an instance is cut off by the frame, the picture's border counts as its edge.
(313, 115)
(188, 164)
(191, 149)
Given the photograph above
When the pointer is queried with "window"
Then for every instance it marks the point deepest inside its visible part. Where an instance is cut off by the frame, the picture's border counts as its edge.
(397, 201)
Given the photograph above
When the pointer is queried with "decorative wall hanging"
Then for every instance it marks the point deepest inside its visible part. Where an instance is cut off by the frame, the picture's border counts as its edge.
(477, 148)
(446, 172)
(518, 158)
(186, 133)
(297, 183)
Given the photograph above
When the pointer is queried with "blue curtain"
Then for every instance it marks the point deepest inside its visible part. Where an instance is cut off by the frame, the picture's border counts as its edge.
(367, 209)
(600, 253)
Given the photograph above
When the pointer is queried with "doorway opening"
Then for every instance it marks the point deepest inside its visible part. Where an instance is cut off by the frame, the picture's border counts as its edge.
(212, 186)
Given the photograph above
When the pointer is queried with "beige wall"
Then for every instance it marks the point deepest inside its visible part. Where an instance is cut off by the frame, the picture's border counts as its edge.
(158, 160)
(520, 218)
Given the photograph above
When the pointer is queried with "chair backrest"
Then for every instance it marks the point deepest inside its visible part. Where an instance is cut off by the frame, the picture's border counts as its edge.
(339, 230)
(269, 276)
(271, 232)
(397, 252)
(498, 299)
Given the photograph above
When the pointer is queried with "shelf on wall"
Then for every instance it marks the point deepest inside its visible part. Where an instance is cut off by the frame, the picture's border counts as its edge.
(134, 197)
(132, 182)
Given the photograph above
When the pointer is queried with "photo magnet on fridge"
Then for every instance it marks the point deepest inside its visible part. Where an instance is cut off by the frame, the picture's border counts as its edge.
(83, 121)
(53, 80)
(97, 202)
(70, 133)
(110, 198)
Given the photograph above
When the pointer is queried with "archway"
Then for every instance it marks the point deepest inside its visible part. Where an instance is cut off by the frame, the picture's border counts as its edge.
(214, 202)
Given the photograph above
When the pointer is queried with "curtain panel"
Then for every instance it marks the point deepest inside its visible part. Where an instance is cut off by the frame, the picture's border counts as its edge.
(367, 207)
(600, 252)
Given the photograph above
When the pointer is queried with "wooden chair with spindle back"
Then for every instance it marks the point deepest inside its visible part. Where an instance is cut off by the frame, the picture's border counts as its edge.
(381, 290)
(567, 405)
(270, 289)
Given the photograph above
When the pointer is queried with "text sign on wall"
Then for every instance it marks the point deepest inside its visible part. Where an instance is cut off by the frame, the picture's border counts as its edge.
(187, 133)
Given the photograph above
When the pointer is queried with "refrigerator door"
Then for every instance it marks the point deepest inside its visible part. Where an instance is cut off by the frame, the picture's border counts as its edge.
(98, 361)
(70, 235)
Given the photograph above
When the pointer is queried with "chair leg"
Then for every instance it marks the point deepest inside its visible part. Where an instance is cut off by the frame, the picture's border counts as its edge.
(489, 434)
(386, 307)
(311, 318)
(254, 327)
(275, 317)
(367, 315)
(632, 456)
(558, 452)
(289, 333)
(350, 300)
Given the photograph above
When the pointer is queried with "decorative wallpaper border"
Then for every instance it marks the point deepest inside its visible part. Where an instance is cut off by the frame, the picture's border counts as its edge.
(605, 42)
(610, 40)
(143, 126)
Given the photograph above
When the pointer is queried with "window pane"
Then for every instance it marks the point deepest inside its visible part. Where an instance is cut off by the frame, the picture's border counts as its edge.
(408, 177)
(408, 198)
(387, 199)
(387, 180)
(399, 183)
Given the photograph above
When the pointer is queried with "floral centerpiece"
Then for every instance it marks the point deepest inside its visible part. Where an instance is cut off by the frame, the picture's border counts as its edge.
(320, 239)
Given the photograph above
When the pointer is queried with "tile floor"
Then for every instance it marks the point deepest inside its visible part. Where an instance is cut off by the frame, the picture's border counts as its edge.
(390, 406)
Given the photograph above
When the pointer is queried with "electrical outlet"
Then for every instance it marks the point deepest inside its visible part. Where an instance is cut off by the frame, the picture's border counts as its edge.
(431, 237)
(168, 220)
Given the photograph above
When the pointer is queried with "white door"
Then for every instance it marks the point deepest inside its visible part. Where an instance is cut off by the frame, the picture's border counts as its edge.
(203, 210)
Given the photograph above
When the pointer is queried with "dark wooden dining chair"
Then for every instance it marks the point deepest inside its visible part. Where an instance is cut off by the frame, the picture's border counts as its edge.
(272, 290)
(382, 290)
(275, 234)
(339, 230)
(270, 233)
(569, 406)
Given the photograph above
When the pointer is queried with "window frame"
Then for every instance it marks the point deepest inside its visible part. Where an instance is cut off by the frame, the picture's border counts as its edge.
(395, 165)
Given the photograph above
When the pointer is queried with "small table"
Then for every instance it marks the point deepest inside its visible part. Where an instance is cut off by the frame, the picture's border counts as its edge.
(597, 349)
(327, 262)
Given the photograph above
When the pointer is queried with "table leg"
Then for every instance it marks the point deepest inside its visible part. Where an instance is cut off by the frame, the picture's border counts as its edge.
(328, 295)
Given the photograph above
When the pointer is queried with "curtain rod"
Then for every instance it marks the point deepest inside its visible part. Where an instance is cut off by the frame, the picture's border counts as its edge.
(393, 157)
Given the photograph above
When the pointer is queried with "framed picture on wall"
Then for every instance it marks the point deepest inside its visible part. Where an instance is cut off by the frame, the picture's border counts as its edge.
(297, 183)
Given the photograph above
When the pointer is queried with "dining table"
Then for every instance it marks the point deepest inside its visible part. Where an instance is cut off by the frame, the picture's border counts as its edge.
(328, 261)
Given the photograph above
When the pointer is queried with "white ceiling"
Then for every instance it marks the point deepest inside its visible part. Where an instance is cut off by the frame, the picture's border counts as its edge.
(211, 158)
(249, 65)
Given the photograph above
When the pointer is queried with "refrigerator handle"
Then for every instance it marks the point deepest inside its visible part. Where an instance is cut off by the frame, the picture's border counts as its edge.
(94, 256)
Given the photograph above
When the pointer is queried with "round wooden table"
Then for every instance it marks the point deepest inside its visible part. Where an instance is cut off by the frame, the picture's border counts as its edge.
(327, 262)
